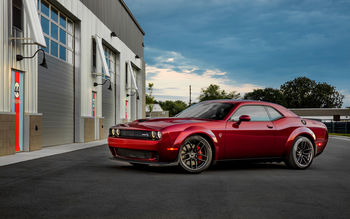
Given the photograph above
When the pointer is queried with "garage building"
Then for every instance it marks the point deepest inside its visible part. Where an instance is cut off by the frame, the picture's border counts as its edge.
(93, 75)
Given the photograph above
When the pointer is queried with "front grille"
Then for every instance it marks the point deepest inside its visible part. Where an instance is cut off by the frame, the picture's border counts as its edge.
(135, 153)
(139, 134)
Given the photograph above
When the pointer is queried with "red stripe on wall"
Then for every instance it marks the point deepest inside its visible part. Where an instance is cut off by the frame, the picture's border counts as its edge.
(17, 148)
(93, 104)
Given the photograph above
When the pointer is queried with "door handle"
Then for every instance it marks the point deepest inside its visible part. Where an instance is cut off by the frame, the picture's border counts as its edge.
(269, 126)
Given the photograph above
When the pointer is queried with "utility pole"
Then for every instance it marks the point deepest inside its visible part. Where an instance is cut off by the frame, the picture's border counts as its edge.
(190, 96)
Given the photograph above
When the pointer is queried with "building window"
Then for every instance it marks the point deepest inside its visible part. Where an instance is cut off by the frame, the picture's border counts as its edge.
(17, 14)
(58, 31)
(110, 60)
(94, 57)
(126, 74)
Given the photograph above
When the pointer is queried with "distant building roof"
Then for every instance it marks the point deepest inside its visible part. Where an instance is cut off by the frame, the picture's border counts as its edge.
(321, 111)
(156, 108)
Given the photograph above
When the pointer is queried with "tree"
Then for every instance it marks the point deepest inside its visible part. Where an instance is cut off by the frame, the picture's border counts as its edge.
(213, 92)
(326, 96)
(149, 97)
(303, 92)
(266, 94)
(174, 107)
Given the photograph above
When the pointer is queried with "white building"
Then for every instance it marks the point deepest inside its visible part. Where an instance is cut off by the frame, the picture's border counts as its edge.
(87, 43)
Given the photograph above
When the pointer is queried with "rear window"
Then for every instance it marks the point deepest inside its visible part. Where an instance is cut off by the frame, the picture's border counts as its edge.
(274, 114)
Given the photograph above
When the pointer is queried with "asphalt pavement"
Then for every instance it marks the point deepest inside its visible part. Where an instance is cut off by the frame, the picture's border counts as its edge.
(86, 184)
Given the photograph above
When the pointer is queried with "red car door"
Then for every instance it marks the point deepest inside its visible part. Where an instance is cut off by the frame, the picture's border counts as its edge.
(250, 139)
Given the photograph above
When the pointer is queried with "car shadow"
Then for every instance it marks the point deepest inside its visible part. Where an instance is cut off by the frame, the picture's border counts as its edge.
(248, 165)
(220, 166)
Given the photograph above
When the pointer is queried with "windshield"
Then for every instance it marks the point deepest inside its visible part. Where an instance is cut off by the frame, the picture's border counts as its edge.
(207, 110)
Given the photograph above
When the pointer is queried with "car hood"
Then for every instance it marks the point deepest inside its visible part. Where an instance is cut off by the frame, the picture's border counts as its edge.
(158, 123)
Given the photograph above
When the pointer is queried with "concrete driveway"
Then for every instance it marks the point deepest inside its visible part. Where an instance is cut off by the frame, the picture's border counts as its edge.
(86, 183)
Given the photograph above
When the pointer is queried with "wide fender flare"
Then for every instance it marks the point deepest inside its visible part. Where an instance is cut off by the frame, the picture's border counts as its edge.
(297, 132)
(193, 130)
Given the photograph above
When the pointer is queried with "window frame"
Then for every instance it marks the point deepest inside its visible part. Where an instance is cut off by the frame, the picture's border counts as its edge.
(245, 105)
(110, 60)
(68, 49)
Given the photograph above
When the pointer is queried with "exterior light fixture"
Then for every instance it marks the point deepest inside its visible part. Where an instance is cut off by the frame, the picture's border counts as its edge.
(43, 64)
(133, 94)
(113, 34)
(109, 87)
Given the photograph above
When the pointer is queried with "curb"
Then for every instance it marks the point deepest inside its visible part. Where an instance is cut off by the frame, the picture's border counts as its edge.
(340, 137)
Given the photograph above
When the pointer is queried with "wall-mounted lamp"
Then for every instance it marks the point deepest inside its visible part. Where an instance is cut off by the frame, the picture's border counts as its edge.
(113, 34)
(109, 87)
(137, 57)
(133, 94)
(43, 64)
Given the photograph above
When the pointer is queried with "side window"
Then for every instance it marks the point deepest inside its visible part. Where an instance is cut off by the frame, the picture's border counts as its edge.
(256, 113)
(274, 114)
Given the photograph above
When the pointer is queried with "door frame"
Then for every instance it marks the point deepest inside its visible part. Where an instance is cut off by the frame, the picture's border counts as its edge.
(21, 122)
(94, 115)
(230, 124)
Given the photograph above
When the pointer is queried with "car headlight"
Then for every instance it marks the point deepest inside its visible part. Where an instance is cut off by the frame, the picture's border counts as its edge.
(113, 132)
(156, 135)
(117, 132)
(159, 135)
(153, 134)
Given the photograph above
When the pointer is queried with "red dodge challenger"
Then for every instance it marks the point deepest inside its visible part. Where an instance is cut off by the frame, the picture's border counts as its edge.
(220, 130)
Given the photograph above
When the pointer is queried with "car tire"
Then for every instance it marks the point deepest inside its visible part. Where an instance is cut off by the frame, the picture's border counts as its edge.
(301, 153)
(195, 154)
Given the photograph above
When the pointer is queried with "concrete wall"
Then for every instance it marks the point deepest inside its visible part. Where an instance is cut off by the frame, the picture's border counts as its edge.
(89, 129)
(7, 134)
(35, 132)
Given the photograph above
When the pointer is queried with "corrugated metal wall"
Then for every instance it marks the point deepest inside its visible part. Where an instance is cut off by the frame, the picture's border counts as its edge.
(116, 18)
(108, 107)
(8, 51)
(56, 102)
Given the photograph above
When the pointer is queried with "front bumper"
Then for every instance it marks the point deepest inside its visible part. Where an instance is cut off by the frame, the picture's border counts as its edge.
(139, 150)
(175, 163)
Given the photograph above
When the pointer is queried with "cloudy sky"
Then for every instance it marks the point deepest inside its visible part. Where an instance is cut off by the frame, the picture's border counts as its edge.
(243, 44)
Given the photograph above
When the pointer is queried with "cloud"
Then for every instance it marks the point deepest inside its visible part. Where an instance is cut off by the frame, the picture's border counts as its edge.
(259, 42)
(172, 81)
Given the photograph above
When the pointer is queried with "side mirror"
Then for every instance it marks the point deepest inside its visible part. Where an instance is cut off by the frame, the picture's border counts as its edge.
(243, 118)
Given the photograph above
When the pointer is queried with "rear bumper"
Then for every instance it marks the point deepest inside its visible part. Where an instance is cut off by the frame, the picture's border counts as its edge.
(321, 145)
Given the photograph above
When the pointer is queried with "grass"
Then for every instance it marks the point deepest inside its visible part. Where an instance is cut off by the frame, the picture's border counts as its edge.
(340, 134)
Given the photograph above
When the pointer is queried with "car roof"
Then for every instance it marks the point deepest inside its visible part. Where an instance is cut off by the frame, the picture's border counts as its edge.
(237, 101)
(281, 109)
